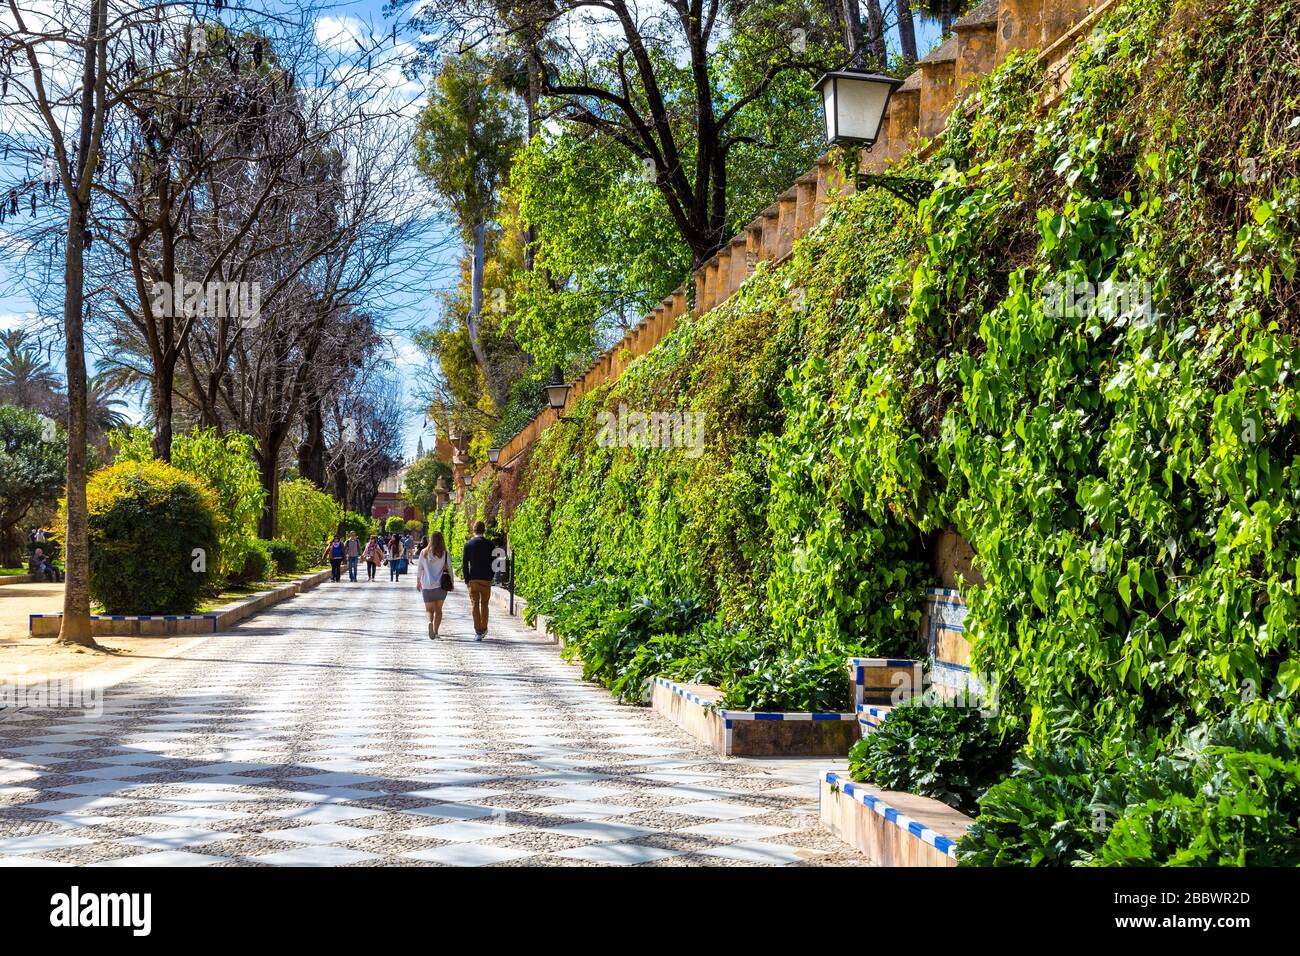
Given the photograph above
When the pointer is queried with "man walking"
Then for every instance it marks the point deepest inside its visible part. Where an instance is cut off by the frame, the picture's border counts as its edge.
(354, 555)
(476, 570)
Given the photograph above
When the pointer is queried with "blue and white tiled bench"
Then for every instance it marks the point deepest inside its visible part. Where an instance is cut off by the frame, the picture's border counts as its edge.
(883, 681)
(892, 829)
(749, 733)
(870, 717)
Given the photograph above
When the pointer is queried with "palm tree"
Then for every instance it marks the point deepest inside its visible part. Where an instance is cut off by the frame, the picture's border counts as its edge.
(945, 11)
(102, 405)
(26, 379)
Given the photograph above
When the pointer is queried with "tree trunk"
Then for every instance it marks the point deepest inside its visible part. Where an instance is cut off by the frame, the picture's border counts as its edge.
(74, 627)
(876, 38)
(907, 32)
(268, 458)
(477, 263)
(853, 28)
(311, 453)
(162, 412)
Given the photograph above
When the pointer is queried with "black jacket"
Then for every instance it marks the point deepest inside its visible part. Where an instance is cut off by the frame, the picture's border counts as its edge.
(476, 560)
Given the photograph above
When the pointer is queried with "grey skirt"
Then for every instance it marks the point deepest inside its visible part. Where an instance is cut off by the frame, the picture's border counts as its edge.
(434, 594)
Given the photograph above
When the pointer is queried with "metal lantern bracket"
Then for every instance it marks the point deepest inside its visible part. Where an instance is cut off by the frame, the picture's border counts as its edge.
(906, 188)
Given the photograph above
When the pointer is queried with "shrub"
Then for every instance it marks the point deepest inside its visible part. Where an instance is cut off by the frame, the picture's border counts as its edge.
(225, 463)
(153, 538)
(353, 522)
(394, 525)
(284, 555)
(952, 754)
(308, 517)
(257, 563)
(1228, 795)
(31, 470)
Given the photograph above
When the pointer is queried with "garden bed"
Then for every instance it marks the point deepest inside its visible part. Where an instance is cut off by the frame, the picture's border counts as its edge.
(170, 625)
(748, 733)
(891, 829)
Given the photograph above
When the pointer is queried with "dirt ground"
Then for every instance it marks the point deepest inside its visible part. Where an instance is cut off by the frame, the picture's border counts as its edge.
(31, 660)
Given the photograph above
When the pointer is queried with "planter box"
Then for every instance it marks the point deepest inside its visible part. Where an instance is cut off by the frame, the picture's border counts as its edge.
(876, 680)
(172, 625)
(891, 829)
(748, 733)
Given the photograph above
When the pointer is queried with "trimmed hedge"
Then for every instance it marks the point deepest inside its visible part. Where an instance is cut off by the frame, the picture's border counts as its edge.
(153, 538)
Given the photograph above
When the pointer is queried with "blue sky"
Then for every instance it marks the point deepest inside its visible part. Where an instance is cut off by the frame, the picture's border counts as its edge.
(402, 314)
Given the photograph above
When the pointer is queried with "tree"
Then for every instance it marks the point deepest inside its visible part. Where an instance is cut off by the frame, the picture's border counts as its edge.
(32, 461)
(420, 483)
(26, 378)
(466, 137)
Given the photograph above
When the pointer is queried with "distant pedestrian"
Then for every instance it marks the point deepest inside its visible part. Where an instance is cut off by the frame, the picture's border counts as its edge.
(476, 569)
(374, 556)
(433, 580)
(354, 554)
(395, 554)
(334, 552)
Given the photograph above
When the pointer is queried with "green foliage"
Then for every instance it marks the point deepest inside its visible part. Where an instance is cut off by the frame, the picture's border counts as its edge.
(258, 565)
(308, 519)
(606, 628)
(225, 462)
(283, 554)
(395, 524)
(31, 468)
(1228, 795)
(950, 753)
(420, 483)
(361, 524)
(1126, 475)
(152, 536)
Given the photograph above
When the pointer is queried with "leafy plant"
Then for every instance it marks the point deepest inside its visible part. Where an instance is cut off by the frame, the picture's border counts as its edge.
(952, 754)
(153, 538)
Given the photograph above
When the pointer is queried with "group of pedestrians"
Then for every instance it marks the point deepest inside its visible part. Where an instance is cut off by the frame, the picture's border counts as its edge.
(434, 577)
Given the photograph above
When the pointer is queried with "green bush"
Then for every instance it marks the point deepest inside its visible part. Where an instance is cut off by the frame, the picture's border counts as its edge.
(225, 463)
(395, 525)
(258, 565)
(352, 522)
(948, 753)
(308, 518)
(153, 538)
(284, 554)
(1228, 795)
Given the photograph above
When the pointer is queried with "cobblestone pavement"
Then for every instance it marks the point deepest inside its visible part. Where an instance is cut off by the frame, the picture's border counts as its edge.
(331, 732)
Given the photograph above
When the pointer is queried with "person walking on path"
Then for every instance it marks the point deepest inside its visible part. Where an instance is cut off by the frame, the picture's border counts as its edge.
(334, 553)
(476, 569)
(374, 556)
(433, 580)
(395, 555)
(354, 555)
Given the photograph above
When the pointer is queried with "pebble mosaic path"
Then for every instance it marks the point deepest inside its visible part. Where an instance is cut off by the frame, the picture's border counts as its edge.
(331, 731)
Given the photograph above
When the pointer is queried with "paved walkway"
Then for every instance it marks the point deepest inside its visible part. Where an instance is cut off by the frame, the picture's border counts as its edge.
(331, 731)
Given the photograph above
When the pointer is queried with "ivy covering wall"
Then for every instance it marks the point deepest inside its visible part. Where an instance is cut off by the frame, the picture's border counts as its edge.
(1128, 476)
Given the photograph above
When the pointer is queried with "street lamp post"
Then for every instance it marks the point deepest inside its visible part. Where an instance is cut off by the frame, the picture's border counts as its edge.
(557, 393)
(855, 103)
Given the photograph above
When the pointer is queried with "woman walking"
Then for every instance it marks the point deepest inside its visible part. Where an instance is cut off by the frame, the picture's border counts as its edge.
(395, 555)
(373, 555)
(433, 580)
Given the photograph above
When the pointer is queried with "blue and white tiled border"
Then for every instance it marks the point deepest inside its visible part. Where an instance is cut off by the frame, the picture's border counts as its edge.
(136, 617)
(858, 793)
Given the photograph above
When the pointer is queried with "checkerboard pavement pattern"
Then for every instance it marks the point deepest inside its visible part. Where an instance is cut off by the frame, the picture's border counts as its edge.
(332, 732)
